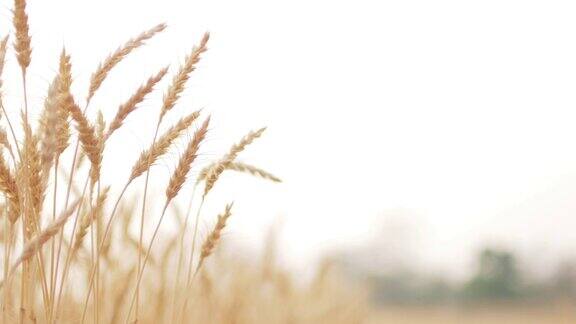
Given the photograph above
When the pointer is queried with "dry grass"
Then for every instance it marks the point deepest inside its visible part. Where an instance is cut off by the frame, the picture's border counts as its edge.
(83, 266)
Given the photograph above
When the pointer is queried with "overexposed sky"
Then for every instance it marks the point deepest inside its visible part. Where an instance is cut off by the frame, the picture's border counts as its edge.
(458, 116)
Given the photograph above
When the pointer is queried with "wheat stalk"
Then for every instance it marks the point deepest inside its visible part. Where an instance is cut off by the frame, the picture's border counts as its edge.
(207, 248)
(174, 186)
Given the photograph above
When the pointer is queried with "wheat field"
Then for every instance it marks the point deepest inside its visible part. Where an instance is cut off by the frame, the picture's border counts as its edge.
(74, 248)
(77, 248)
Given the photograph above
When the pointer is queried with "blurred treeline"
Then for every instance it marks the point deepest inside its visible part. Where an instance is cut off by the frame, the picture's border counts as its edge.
(497, 277)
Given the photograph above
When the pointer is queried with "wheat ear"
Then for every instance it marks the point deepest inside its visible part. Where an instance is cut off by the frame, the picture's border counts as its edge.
(214, 236)
(33, 171)
(216, 170)
(6, 143)
(131, 104)
(160, 147)
(65, 82)
(10, 188)
(183, 75)
(22, 43)
(207, 249)
(113, 59)
(54, 127)
(3, 47)
(181, 172)
(241, 167)
(90, 142)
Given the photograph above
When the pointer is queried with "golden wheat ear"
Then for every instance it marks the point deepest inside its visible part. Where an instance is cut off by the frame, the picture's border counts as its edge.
(3, 48)
(216, 170)
(179, 80)
(113, 59)
(90, 142)
(240, 167)
(160, 147)
(23, 40)
(181, 172)
(214, 236)
(131, 104)
(54, 129)
(9, 187)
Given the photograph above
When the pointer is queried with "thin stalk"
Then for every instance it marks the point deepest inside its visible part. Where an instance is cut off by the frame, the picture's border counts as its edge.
(104, 236)
(69, 254)
(7, 252)
(67, 201)
(24, 277)
(25, 266)
(11, 132)
(25, 96)
(148, 252)
(97, 282)
(180, 255)
(142, 216)
(93, 257)
(53, 242)
(191, 261)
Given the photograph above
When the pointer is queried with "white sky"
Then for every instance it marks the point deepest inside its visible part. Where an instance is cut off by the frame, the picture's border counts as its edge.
(457, 116)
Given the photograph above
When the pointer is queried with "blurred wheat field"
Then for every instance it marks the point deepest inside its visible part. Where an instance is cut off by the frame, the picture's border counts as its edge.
(552, 313)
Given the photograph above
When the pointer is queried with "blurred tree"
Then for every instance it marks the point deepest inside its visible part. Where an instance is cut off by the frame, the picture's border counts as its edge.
(496, 277)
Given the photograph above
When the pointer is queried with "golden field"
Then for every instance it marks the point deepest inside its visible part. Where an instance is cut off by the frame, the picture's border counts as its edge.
(78, 245)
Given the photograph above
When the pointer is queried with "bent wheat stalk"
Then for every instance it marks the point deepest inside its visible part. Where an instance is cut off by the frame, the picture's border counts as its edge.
(168, 102)
(208, 247)
(175, 184)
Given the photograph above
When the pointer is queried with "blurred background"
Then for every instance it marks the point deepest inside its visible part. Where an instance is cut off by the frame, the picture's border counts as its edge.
(427, 148)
